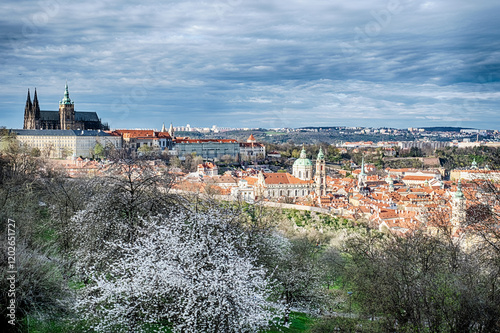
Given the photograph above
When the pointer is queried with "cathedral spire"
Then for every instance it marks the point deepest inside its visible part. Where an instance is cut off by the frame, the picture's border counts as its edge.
(28, 113)
(36, 107)
(28, 101)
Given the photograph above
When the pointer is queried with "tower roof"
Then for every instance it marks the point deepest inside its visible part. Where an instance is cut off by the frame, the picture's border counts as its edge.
(28, 100)
(459, 194)
(36, 106)
(251, 138)
(362, 167)
(171, 130)
(320, 154)
(474, 164)
(66, 100)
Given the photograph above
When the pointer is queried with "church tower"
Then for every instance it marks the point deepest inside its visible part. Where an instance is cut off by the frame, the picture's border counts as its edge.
(67, 111)
(261, 184)
(458, 208)
(28, 115)
(362, 174)
(390, 181)
(320, 175)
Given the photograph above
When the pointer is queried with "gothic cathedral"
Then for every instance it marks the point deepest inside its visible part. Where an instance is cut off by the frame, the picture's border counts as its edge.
(66, 118)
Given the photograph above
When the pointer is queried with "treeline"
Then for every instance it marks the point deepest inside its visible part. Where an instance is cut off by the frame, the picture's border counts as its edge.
(122, 253)
(455, 158)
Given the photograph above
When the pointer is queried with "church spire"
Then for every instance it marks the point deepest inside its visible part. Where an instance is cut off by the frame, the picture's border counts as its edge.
(36, 107)
(28, 101)
(28, 113)
(171, 130)
(362, 173)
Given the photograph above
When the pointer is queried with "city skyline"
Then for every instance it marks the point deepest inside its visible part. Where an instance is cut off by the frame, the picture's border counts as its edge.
(264, 64)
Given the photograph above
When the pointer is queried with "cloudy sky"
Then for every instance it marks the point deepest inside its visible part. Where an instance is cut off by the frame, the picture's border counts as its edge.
(256, 63)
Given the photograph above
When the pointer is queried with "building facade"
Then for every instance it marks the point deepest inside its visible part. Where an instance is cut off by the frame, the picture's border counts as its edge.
(64, 119)
(206, 148)
(252, 148)
(135, 139)
(64, 143)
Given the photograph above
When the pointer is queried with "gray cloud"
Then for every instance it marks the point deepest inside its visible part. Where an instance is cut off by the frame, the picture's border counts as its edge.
(256, 63)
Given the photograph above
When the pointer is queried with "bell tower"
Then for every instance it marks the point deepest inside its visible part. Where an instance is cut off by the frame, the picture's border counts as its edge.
(320, 175)
(67, 111)
(458, 208)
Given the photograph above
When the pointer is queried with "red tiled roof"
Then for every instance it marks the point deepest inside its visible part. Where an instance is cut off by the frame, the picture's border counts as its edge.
(284, 178)
(420, 178)
(126, 133)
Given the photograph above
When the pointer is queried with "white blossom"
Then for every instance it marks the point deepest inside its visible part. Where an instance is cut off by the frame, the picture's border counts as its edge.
(190, 270)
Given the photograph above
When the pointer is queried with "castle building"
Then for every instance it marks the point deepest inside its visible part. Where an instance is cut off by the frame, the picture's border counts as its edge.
(63, 143)
(64, 119)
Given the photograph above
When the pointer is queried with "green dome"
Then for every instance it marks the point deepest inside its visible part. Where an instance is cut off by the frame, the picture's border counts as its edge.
(303, 160)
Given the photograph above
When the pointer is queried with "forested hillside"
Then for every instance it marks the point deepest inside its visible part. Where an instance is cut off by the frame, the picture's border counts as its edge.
(121, 253)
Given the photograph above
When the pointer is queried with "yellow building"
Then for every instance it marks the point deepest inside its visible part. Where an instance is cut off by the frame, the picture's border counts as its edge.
(63, 143)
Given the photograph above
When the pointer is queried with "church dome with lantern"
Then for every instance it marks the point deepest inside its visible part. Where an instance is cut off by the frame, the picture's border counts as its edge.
(303, 167)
